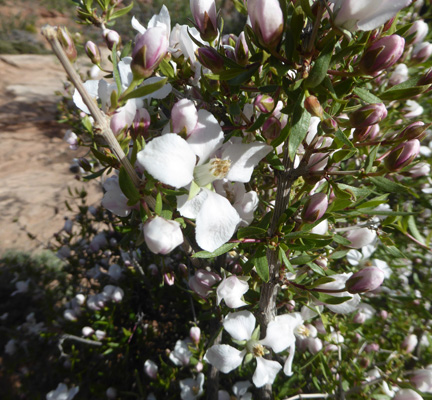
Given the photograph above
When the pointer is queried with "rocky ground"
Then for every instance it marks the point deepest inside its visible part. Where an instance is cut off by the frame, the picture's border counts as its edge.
(34, 160)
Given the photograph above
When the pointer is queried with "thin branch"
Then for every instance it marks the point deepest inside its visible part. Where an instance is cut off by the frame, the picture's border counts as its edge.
(309, 396)
(102, 125)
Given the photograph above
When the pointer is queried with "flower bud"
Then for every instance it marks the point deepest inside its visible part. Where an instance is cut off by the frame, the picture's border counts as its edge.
(202, 282)
(195, 334)
(111, 38)
(409, 343)
(150, 48)
(151, 369)
(417, 32)
(402, 155)
(162, 236)
(264, 103)
(420, 169)
(184, 117)
(100, 334)
(267, 21)
(416, 130)
(315, 208)
(407, 394)
(426, 79)
(313, 106)
(93, 52)
(141, 123)
(399, 75)
(87, 331)
(71, 139)
(382, 54)
(271, 129)
(361, 134)
(421, 52)
(67, 43)
(241, 50)
(360, 237)
(370, 114)
(329, 125)
(211, 59)
(359, 318)
(422, 379)
(365, 280)
(205, 17)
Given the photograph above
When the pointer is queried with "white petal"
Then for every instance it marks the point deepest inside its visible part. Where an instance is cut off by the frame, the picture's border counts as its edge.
(169, 159)
(347, 307)
(266, 371)
(231, 290)
(280, 333)
(240, 325)
(190, 208)
(244, 157)
(216, 221)
(162, 19)
(137, 26)
(224, 357)
(159, 94)
(207, 137)
(92, 88)
(288, 363)
(125, 71)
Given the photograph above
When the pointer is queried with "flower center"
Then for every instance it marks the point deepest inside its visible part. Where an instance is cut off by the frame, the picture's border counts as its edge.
(195, 390)
(303, 331)
(258, 350)
(215, 169)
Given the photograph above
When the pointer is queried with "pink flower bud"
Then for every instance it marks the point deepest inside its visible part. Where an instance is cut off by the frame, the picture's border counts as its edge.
(417, 32)
(71, 139)
(370, 132)
(111, 38)
(195, 334)
(402, 155)
(241, 50)
(365, 280)
(67, 43)
(150, 48)
(382, 54)
(329, 125)
(372, 348)
(202, 282)
(211, 59)
(407, 394)
(383, 314)
(205, 17)
(422, 379)
(264, 103)
(416, 130)
(360, 237)
(151, 369)
(271, 129)
(313, 106)
(315, 207)
(314, 345)
(399, 75)
(184, 117)
(421, 52)
(370, 114)
(162, 236)
(267, 21)
(141, 123)
(93, 52)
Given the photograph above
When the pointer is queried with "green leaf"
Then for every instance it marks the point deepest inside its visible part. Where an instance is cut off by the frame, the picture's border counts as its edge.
(321, 66)
(128, 188)
(95, 175)
(261, 264)
(158, 206)
(389, 186)
(414, 230)
(221, 250)
(116, 74)
(371, 158)
(375, 202)
(341, 240)
(403, 94)
(299, 128)
(250, 231)
(246, 75)
(333, 300)
(321, 281)
(366, 96)
(342, 155)
(340, 136)
(122, 11)
(111, 160)
(304, 259)
(284, 259)
(166, 68)
(305, 5)
(282, 137)
(316, 268)
(145, 90)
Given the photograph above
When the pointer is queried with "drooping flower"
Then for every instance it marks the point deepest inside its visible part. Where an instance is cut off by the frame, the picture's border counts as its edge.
(161, 235)
(231, 290)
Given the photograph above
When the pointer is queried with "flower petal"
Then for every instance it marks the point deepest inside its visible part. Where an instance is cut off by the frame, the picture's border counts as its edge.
(169, 159)
(92, 89)
(231, 290)
(224, 357)
(266, 371)
(190, 208)
(240, 325)
(216, 222)
(280, 333)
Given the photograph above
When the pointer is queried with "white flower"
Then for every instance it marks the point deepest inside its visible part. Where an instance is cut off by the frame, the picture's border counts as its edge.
(161, 235)
(181, 354)
(151, 369)
(360, 237)
(62, 393)
(422, 379)
(191, 389)
(232, 290)
(162, 20)
(21, 287)
(114, 200)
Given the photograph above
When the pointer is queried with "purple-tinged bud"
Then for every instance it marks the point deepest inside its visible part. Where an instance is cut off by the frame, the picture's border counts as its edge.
(264, 103)
(195, 334)
(313, 106)
(271, 129)
(426, 79)
(93, 52)
(359, 318)
(416, 130)
(211, 59)
(267, 21)
(329, 125)
(111, 38)
(370, 114)
(205, 17)
(417, 32)
(151, 369)
(422, 379)
(388, 24)
(150, 48)
(84, 164)
(421, 52)
(407, 394)
(374, 132)
(382, 54)
(372, 348)
(184, 117)
(241, 50)
(67, 43)
(383, 314)
(202, 282)
(141, 123)
(360, 237)
(315, 208)
(402, 155)
(409, 343)
(365, 280)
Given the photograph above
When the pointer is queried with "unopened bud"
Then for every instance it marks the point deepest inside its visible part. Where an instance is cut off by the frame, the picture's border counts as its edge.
(417, 32)
(426, 79)
(421, 52)
(422, 379)
(329, 125)
(271, 129)
(409, 343)
(416, 130)
(205, 17)
(372, 348)
(151, 369)
(84, 164)
(67, 43)
(382, 54)
(264, 103)
(195, 334)
(402, 155)
(140, 123)
(365, 280)
(313, 106)
(211, 59)
(111, 38)
(370, 114)
(93, 52)
(241, 50)
(315, 207)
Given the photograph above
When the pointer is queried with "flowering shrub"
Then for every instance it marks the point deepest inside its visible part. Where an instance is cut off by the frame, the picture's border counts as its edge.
(266, 195)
